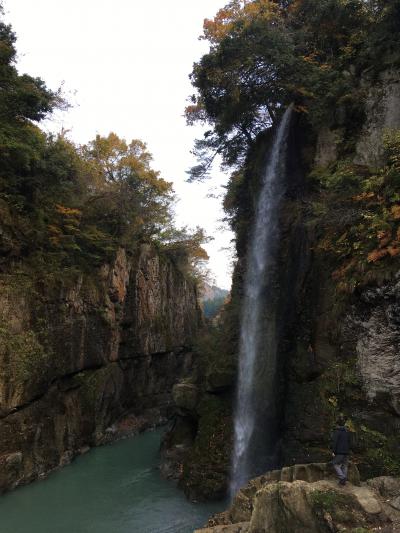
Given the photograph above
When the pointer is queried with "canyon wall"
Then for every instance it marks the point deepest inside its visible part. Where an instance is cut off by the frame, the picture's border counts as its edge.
(83, 364)
(338, 310)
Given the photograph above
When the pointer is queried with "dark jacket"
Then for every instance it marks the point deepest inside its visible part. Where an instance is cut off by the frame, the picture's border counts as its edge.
(341, 441)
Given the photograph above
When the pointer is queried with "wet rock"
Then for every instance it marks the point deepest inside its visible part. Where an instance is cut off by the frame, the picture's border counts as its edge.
(233, 528)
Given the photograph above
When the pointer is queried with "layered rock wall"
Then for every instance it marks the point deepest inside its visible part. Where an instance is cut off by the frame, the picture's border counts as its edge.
(81, 364)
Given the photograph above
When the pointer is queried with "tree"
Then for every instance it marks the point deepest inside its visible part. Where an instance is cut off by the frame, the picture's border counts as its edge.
(265, 54)
(138, 200)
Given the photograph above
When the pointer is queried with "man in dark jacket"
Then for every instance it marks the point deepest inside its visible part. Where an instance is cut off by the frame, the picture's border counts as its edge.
(341, 442)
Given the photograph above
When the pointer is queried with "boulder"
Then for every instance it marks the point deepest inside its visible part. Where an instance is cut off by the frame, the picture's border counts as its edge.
(242, 506)
(185, 396)
(301, 507)
(386, 486)
(308, 499)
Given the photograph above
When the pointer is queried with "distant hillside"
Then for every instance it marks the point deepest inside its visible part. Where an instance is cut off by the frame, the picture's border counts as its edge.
(211, 292)
(212, 298)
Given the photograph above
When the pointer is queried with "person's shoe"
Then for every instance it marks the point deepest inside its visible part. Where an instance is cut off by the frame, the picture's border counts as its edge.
(342, 482)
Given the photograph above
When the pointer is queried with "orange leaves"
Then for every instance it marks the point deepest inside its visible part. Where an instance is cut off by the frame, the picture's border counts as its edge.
(68, 211)
(376, 255)
(311, 58)
(385, 238)
(243, 11)
(393, 251)
(364, 196)
(195, 113)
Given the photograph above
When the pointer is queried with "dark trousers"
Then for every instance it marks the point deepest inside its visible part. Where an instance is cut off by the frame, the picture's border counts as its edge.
(340, 464)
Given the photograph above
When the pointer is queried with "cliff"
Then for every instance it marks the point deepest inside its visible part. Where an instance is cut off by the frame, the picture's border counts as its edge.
(336, 307)
(87, 358)
(344, 347)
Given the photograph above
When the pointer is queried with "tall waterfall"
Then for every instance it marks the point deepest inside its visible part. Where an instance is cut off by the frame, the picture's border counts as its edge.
(255, 416)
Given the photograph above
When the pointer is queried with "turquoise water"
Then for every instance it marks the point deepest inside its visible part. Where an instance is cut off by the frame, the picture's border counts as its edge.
(113, 489)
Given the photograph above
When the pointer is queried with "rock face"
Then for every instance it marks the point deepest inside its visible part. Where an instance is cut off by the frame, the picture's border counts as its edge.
(378, 342)
(81, 365)
(304, 499)
(382, 113)
(338, 352)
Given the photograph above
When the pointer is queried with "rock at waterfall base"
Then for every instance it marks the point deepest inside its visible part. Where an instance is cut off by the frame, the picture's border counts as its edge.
(299, 499)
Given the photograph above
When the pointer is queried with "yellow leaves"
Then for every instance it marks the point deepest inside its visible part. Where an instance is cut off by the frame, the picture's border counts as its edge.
(333, 401)
(243, 11)
(301, 109)
(68, 211)
(311, 58)
(302, 91)
(54, 229)
(325, 67)
(395, 210)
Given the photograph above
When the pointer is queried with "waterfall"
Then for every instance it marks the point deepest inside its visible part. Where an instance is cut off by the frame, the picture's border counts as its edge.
(255, 414)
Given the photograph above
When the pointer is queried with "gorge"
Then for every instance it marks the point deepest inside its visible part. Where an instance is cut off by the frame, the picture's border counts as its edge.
(102, 334)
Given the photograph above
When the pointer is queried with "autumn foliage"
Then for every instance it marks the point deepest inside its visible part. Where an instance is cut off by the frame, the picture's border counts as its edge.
(265, 54)
(69, 207)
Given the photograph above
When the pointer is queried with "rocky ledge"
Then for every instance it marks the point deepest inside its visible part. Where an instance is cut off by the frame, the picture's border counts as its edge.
(307, 499)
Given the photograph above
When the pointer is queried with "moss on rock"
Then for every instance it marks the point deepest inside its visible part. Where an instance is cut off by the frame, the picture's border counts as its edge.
(206, 469)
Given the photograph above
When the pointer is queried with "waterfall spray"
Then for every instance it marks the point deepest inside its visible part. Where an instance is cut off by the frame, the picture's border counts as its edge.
(253, 433)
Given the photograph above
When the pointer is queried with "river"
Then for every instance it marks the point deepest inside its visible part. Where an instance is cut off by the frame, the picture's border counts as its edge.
(112, 489)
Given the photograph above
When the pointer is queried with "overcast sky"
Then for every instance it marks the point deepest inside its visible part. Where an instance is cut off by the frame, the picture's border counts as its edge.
(125, 67)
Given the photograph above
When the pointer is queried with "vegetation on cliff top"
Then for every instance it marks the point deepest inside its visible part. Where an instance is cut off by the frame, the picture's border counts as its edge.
(69, 207)
(265, 54)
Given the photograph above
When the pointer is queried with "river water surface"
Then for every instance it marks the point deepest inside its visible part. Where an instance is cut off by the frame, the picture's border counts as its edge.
(112, 489)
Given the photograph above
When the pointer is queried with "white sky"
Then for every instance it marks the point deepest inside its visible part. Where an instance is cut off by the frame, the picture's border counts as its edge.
(125, 65)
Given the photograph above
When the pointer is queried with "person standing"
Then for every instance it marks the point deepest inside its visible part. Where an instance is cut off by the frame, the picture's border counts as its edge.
(341, 444)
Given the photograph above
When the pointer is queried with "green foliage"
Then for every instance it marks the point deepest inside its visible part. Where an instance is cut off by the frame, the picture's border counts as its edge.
(360, 219)
(339, 508)
(68, 208)
(214, 349)
(327, 500)
(185, 248)
(265, 54)
(205, 472)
